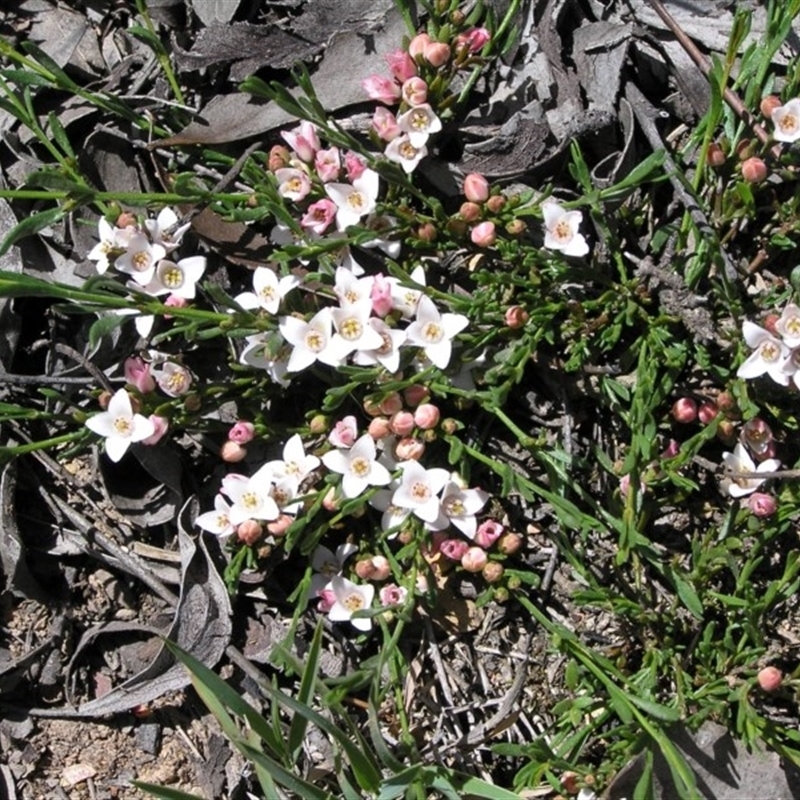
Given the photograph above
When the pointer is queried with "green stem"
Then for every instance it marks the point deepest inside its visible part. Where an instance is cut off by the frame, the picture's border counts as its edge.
(163, 58)
(44, 444)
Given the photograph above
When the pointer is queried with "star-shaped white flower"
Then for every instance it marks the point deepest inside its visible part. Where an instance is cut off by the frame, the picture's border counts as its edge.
(140, 258)
(166, 229)
(357, 466)
(788, 325)
(787, 121)
(270, 353)
(419, 490)
(252, 498)
(296, 463)
(120, 426)
(353, 331)
(177, 278)
(350, 598)
(434, 332)
(268, 290)
(739, 461)
(217, 521)
(388, 354)
(769, 355)
(392, 516)
(561, 230)
(293, 183)
(104, 252)
(419, 123)
(404, 298)
(459, 507)
(327, 564)
(403, 152)
(356, 200)
(310, 340)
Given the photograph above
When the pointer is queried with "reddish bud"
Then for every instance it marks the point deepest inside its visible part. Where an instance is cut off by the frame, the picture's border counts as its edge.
(402, 423)
(754, 170)
(278, 157)
(496, 203)
(761, 505)
(415, 394)
(707, 412)
(249, 531)
(484, 234)
(770, 679)
(770, 324)
(715, 155)
(242, 432)
(231, 452)
(470, 211)
(769, 104)
(379, 428)
(475, 559)
(278, 527)
(427, 416)
(391, 404)
(427, 232)
(684, 410)
(437, 54)
(516, 317)
(416, 47)
(488, 533)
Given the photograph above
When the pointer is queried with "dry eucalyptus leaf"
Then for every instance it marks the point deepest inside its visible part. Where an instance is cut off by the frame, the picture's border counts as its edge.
(214, 12)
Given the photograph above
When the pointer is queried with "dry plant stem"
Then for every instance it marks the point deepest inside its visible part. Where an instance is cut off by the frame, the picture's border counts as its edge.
(731, 98)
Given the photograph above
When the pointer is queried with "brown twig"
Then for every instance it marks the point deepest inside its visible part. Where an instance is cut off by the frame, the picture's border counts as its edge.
(730, 97)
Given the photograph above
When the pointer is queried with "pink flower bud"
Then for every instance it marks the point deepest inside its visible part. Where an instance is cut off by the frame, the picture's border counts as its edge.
(754, 170)
(707, 412)
(376, 568)
(761, 505)
(415, 394)
(126, 220)
(318, 425)
(381, 296)
(382, 89)
(483, 234)
(770, 679)
(231, 452)
(161, 426)
(671, 450)
(379, 428)
(516, 317)
(509, 543)
(493, 572)
(391, 404)
(249, 531)
(454, 549)
(303, 140)
(392, 595)
(769, 104)
(279, 157)
(437, 54)
(496, 203)
(242, 432)
(684, 410)
(488, 533)
(415, 91)
(278, 527)
(416, 47)
(354, 165)
(470, 212)
(476, 188)
(326, 600)
(173, 301)
(475, 559)
(384, 123)
(409, 449)
(344, 433)
(427, 416)
(473, 40)
(330, 502)
(715, 155)
(137, 373)
(401, 65)
(402, 423)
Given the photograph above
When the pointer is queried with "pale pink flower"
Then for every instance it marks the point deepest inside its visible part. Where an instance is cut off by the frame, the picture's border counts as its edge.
(401, 65)
(419, 123)
(381, 295)
(392, 595)
(351, 598)
(137, 373)
(476, 188)
(354, 165)
(416, 47)
(434, 332)
(453, 549)
(474, 39)
(384, 123)
(427, 416)
(293, 183)
(327, 163)
(415, 91)
(402, 152)
(319, 216)
(173, 379)
(303, 140)
(786, 119)
(345, 432)
(740, 461)
(160, 428)
(762, 505)
(484, 234)
(437, 54)
(488, 533)
(382, 89)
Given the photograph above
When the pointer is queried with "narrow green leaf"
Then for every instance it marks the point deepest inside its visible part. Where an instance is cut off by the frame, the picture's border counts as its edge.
(30, 226)
(281, 775)
(165, 792)
(297, 731)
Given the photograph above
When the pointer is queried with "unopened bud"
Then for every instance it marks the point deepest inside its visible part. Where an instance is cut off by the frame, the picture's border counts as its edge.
(684, 410)
(319, 424)
(278, 527)
(707, 412)
(427, 232)
(470, 212)
(770, 679)
(232, 452)
(715, 155)
(391, 404)
(409, 449)
(415, 394)
(476, 188)
(474, 560)
(754, 170)
(516, 317)
(516, 227)
(769, 104)
(509, 543)
(496, 203)
(278, 157)
(249, 531)
(493, 572)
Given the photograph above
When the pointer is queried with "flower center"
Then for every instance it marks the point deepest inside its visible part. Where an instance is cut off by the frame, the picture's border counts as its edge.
(562, 231)
(770, 351)
(792, 326)
(420, 491)
(353, 602)
(280, 496)
(223, 521)
(419, 121)
(788, 123)
(266, 293)
(315, 341)
(356, 201)
(251, 501)
(359, 466)
(122, 426)
(177, 382)
(351, 329)
(141, 261)
(454, 507)
(172, 277)
(408, 151)
(432, 332)
(386, 347)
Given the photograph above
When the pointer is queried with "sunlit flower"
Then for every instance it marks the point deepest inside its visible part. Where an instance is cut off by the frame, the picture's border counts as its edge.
(561, 230)
(270, 353)
(351, 290)
(405, 298)
(310, 340)
(415, 91)
(217, 521)
(358, 467)
(295, 462)
(459, 507)
(404, 153)
(120, 426)
(105, 251)
(319, 216)
(769, 355)
(419, 490)
(293, 183)
(434, 332)
(388, 353)
(787, 121)
(401, 65)
(384, 123)
(140, 258)
(326, 564)
(788, 325)
(382, 89)
(419, 123)
(393, 595)
(166, 229)
(350, 598)
(327, 164)
(356, 200)
(392, 515)
(353, 331)
(173, 379)
(740, 461)
(251, 498)
(303, 140)
(268, 290)
(345, 432)
(178, 279)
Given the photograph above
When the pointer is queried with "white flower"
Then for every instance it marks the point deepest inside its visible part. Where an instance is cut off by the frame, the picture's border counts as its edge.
(787, 121)
(460, 506)
(295, 463)
(293, 183)
(561, 230)
(382, 224)
(251, 498)
(404, 153)
(356, 200)
(120, 426)
(358, 467)
(434, 332)
(217, 521)
(393, 515)
(173, 379)
(140, 258)
(388, 354)
(419, 123)
(310, 340)
(268, 290)
(107, 246)
(350, 598)
(769, 355)
(788, 325)
(419, 489)
(177, 278)
(353, 331)
(165, 229)
(328, 564)
(351, 290)
(263, 352)
(739, 461)
(404, 298)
